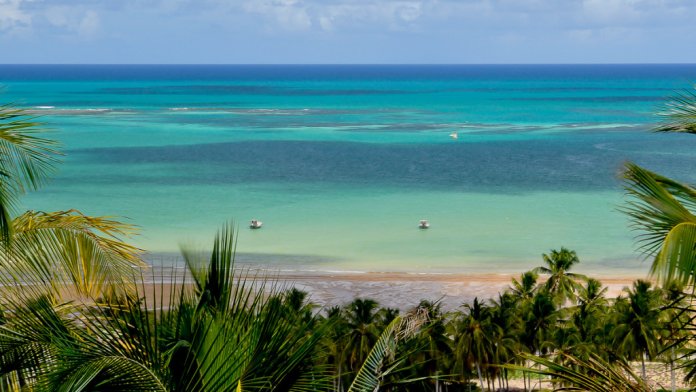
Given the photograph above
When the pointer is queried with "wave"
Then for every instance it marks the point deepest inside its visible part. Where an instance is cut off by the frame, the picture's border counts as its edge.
(52, 110)
(261, 111)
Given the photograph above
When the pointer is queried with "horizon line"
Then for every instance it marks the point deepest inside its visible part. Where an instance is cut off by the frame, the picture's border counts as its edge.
(340, 64)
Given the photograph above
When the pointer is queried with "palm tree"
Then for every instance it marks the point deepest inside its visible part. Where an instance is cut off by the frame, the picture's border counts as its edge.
(524, 288)
(505, 316)
(639, 316)
(588, 317)
(333, 344)
(539, 324)
(473, 337)
(561, 283)
(430, 353)
(373, 370)
(53, 248)
(363, 324)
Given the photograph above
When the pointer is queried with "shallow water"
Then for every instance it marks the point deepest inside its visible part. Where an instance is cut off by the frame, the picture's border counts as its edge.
(341, 162)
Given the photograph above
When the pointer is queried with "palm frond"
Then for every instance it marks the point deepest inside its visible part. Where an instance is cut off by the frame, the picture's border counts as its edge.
(26, 160)
(679, 114)
(677, 257)
(593, 374)
(68, 247)
(658, 210)
(104, 373)
(654, 206)
(27, 339)
(214, 278)
(370, 373)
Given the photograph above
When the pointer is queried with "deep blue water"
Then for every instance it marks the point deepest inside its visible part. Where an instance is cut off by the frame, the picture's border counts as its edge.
(38, 72)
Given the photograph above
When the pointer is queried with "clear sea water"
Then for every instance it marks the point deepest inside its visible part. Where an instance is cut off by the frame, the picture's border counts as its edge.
(341, 162)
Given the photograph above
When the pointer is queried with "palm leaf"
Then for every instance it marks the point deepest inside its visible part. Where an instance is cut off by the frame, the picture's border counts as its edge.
(658, 210)
(26, 160)
(27, 339)
(679, 114)
(214, 278)
(677, 257)
(370, 373)
(148, 342)
(68, 247)
(593, 374)
(106, 373)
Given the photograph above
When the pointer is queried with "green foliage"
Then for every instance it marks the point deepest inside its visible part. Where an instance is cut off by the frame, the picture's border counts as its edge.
(593, 374)
(660, 210)
(561, 284)
(53, 248)
(679, 114)
(26, 161)
(371, 373)
(217, 335)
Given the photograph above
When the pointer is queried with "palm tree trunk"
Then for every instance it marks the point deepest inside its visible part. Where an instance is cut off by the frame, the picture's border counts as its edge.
(671, 370)
(524, 380)
(478, 370)
(642, 361)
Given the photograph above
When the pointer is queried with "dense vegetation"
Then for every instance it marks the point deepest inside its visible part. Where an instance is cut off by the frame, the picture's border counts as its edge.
(75, 314)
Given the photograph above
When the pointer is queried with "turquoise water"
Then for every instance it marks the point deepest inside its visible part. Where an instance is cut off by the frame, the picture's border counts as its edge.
(341, 162)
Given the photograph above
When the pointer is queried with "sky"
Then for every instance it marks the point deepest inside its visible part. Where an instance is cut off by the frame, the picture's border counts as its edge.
(347, 31)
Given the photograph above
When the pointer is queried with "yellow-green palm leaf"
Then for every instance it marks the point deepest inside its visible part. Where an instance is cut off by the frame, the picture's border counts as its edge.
(661, 210)
(26, 161)
(69, 248)
(680, 113)
(371, 372)
(677, 257)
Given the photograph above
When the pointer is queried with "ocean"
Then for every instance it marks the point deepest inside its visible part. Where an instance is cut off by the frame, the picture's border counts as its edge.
(341, 162)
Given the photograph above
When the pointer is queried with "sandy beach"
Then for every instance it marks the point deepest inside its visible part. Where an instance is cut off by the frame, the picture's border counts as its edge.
(396, 290)
(400, 290)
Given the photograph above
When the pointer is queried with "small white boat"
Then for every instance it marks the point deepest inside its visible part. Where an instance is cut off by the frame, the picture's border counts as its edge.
(454, 135)
(423, 224)
(255, 224)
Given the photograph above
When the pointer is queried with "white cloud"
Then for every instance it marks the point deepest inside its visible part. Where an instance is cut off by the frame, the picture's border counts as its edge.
(12, 16)
(326, 23)
(83, 22)
(357, 14)
(89, 25)
(612, 11)
(286, 14)
(409, 12)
